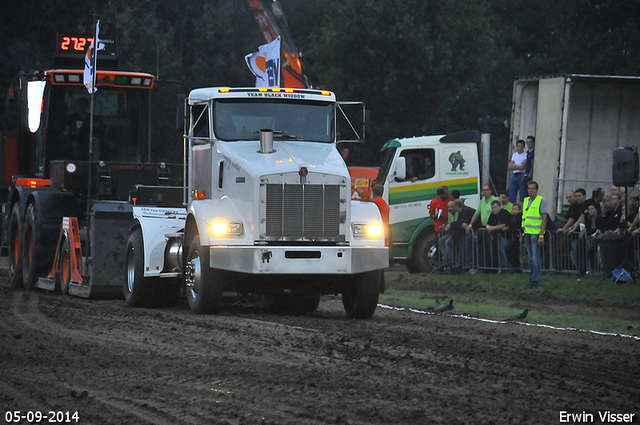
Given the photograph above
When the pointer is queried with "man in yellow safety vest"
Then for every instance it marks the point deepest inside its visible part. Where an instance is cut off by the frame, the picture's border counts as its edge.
(534, 223)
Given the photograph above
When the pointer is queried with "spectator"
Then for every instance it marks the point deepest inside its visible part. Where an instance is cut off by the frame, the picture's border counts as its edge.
(504, 201)
(570, 200)
(442, 247)
(596, 199)
(574, 219)
(512, 250)
(615, 190)
(612, 215)
(457, 230)
(534, 222)
(455, 194)
(453, 214)
(528, 169)
(631, 212)
(484, 209)
(517, 165)
(575, 211)
(377, 191)
(496, 224)
(438, 210)
(594, 222)
(446, 191)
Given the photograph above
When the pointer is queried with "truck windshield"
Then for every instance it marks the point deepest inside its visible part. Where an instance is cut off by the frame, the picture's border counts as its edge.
(241, 119)
(120, 124)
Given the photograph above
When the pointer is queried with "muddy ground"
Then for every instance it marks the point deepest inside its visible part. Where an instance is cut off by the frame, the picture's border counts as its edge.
(116, 365)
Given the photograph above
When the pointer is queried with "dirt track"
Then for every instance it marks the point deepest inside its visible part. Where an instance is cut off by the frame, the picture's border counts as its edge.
(116, 365)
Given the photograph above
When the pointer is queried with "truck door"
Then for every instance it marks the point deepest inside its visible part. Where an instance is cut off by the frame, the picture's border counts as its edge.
(409, 198)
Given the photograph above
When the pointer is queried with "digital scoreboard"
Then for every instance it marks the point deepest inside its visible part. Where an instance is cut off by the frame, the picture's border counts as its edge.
(75, 44)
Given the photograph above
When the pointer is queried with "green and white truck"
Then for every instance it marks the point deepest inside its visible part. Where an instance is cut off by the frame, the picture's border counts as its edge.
(412, 237)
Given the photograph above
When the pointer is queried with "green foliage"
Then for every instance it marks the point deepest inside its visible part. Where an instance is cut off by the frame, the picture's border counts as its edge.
(421, 66)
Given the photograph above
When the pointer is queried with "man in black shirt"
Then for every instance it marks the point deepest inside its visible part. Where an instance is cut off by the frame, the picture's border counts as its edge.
(458, 231)
(512, 250)
(496, 224)
(575, 217)
(596, 198)
(575, 212)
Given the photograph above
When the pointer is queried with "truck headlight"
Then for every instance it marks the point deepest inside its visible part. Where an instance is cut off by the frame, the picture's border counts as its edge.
(222, 228)
(367, 230)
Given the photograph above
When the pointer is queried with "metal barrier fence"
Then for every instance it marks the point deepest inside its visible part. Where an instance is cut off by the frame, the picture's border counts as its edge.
(561, 252)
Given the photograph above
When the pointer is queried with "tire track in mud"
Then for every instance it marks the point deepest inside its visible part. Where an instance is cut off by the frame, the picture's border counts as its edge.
(165, 365)
(92, 403)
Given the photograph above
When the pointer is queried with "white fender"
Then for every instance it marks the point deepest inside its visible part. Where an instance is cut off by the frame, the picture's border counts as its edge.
(155, 223)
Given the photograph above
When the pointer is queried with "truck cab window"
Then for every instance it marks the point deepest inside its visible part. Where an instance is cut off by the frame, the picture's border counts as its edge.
(236, 120)
(420, 164)
(200, 124)
(120, 124)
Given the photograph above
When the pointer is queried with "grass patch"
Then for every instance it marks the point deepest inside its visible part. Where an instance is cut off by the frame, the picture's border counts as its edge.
(587, 287)
(426, 302)
(564, 301)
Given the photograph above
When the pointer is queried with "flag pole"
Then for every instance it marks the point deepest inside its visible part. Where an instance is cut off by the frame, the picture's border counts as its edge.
(94, 72)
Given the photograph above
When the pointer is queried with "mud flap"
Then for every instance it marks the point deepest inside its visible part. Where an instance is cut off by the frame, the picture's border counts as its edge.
(110, 224)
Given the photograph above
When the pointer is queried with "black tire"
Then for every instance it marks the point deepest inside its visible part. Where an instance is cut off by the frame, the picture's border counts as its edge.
(34, 255)
(64, 266)
(360, 294)
(204, 285)
(138, 290)
(15, 246)
(424, 257)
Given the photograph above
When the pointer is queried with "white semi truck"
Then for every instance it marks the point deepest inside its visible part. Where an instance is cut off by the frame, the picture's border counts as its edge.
(268, 209)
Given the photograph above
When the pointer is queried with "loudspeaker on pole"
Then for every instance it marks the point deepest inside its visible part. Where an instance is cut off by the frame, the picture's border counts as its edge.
(626, 171)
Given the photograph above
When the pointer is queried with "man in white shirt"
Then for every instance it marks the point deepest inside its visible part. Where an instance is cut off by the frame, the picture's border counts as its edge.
(517, 165)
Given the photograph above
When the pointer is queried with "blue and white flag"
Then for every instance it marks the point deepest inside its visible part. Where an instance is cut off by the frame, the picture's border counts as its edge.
(265, 64)
(90, 62)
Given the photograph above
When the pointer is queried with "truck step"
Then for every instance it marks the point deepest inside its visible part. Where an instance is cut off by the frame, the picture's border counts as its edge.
(46, 283)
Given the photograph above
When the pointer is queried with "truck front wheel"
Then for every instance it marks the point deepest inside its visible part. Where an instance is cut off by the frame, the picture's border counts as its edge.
(424, 253)
(360, 294)
(203, 284)
(15, 256)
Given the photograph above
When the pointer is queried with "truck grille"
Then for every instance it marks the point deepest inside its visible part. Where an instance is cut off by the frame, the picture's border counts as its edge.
(303, 211)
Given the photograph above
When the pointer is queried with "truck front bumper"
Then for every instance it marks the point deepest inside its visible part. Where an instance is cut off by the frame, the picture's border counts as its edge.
(299, 260)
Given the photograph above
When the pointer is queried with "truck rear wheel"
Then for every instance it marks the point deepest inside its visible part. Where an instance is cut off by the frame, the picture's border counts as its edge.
(425, 253)
(33, 252)
(15, 254)
(204, 285)
(360, 295)
(138, 290)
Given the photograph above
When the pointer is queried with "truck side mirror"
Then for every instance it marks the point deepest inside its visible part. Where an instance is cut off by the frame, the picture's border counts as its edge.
(181, 113)
(401, 168)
